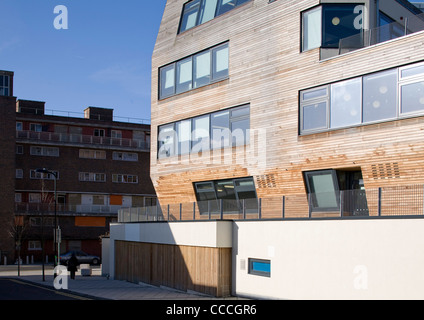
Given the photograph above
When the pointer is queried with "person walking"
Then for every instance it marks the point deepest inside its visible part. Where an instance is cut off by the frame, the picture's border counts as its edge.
(72, 265)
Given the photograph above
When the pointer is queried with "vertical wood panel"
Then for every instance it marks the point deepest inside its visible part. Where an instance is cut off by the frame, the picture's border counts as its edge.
(201, 269)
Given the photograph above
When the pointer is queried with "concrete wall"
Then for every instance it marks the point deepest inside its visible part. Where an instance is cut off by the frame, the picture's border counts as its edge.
(331, 259)
(316, 259)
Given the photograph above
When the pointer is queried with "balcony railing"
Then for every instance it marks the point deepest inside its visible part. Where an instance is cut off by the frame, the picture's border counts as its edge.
(381, 202)
(49, 208)
(370, 37)
(82, 139)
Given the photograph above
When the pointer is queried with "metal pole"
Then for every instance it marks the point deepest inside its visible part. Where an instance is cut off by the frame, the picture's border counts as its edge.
(194, 210)
(244, 209)
(181, 209)
(284, 207)
(379, 202)
(260, 209)
(222, 208)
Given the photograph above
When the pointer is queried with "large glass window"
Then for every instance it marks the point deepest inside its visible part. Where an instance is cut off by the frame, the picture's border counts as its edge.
(217, 130)
(346, 103)
(340, 21)
(235, 195)
(195, 71)
(387, 95)
(380, 96)
(196, 12)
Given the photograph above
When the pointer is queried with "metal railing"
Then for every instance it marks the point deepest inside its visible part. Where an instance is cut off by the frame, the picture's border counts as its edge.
(381, 34)
(382, 202)
(33, 208)
(82, 139)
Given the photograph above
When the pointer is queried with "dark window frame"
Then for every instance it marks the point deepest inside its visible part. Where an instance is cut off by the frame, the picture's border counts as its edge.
(261, 273)
(174, 66)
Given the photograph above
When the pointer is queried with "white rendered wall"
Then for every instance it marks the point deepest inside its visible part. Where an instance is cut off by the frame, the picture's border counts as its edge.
(331, 259)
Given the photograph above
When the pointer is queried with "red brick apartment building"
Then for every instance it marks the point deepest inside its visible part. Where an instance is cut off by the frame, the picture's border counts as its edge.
(101, 165)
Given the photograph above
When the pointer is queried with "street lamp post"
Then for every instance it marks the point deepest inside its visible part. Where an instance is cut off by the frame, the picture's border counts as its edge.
(56, 233)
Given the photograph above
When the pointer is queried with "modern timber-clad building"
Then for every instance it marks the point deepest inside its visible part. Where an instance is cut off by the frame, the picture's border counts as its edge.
(292, 109)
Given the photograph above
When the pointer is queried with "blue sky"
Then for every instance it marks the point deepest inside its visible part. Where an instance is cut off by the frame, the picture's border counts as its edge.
(103, 59)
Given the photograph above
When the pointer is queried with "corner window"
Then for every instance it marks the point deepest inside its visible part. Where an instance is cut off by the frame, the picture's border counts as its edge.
(195, 71)
(197, 12)
(324, 26)
(260, 267)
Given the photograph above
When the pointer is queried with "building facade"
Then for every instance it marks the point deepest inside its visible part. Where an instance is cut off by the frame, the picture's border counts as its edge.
(306, 116)
(94, 165)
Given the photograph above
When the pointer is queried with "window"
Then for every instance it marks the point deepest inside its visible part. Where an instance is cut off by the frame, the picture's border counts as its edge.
(412, 89)
(260, 267)
(18, 197)
(19, 174)
(92, 177)
(218, 130)
(19, 126)
(196, 12)
(99, 132)
(34, 245)
(19, 149)
(124, 178)
(125, 156)
(346, 103)
(236, 195)
(195, 71)
(312, 29)
(39, 175)
(44, 151)
(323, 190)
(92, 154)
(117, 134)
(166, 141)
(387, 95)
(34, 197)
(380, 96)
(4, 85)
(36, 127)
(324, 26)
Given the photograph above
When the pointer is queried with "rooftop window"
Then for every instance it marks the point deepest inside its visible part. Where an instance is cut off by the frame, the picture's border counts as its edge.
(4, 85)
(196, 12)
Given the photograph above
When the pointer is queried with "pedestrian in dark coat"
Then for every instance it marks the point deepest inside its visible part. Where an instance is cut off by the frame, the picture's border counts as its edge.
(72, 265)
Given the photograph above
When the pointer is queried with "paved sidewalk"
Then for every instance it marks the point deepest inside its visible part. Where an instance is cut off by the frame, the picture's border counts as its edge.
(97, 286)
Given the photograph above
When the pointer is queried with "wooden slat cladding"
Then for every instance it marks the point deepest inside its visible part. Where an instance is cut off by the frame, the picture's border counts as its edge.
(267, 70)
(200, 269)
